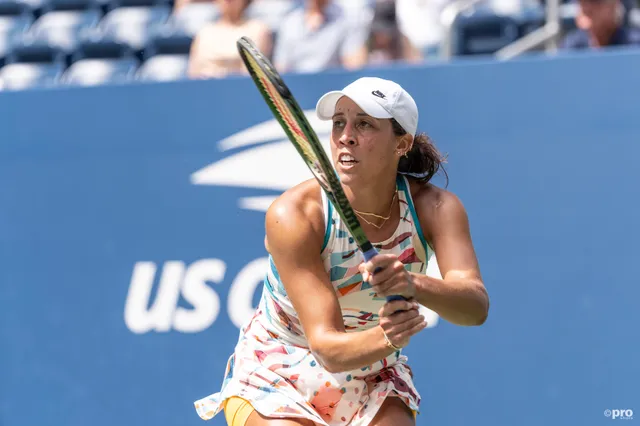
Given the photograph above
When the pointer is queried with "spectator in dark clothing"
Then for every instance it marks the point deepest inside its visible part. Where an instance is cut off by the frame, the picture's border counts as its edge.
(385, 40)
(601, 24)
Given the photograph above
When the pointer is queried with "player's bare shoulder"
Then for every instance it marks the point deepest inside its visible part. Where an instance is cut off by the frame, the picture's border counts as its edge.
(430, 197)
(434, 205)
(297, 212)
(303, 198)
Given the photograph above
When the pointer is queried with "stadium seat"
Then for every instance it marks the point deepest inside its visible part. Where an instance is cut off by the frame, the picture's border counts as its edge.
(25, 75)
(189, 19)
(272, 12)
(37, 51)
(114, 4)
(128, 25)
(483, 32)
(60, 29)
(10, 28)
(170, 44)
(91, 72)
(176, 35)
(13, 7)
(34, 7)
(164, 68)
(54, 5)
(102, 50)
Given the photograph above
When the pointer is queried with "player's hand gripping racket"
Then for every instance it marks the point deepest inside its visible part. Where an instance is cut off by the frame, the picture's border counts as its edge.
(292, 119)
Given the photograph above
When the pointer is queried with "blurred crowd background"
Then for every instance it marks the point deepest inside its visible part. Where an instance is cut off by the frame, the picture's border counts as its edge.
(90, 42)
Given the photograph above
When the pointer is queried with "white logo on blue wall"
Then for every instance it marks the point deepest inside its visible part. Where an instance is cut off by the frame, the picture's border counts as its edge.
(190, 282)
(263, 158)
(269, 161)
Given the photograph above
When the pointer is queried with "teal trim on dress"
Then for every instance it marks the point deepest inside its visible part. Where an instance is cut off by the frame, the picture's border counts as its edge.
(274, 271)
(404, 186)
(327, 232)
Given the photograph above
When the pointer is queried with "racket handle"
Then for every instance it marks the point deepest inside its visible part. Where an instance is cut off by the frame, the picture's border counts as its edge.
(392, 298)
(370, 254)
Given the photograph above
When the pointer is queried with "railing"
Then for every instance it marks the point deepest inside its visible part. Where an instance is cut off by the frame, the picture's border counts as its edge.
(548, 35)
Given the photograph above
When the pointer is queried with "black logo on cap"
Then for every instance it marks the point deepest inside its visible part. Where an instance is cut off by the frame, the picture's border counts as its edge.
(378, 94)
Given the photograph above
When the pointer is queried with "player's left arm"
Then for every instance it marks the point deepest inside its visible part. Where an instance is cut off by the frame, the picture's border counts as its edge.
(460, 297)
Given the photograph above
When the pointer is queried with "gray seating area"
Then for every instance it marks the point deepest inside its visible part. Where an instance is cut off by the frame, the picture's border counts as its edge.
(87, 42)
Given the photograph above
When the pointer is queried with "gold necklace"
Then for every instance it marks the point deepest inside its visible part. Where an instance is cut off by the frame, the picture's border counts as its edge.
(385, 218)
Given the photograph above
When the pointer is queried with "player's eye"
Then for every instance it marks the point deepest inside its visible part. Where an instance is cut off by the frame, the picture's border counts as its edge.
(338, 124)
(364, 124)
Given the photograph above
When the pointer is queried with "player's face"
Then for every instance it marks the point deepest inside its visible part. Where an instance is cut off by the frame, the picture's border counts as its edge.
(361, 146)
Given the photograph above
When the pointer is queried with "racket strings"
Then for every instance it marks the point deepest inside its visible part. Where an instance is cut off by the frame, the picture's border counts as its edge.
(282, 109)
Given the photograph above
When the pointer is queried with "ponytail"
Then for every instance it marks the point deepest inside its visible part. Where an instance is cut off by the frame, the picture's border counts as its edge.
(424, 160)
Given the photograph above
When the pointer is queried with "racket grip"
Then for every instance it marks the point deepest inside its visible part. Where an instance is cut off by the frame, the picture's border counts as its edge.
(370, 254)
(392, 298)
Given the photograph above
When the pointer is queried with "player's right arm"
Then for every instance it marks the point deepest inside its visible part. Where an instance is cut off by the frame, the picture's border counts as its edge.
(295, 233)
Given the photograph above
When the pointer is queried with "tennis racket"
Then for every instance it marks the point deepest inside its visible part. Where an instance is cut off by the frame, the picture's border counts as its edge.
(292, 119)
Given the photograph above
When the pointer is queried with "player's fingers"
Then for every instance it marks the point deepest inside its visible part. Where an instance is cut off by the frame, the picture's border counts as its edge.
(418, 325)
(382, 275)
(380, 261)
(396, 285)
(401, 317)
(394, 306)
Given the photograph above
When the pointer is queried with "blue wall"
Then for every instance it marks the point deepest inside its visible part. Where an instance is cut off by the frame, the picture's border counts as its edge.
(108, 194)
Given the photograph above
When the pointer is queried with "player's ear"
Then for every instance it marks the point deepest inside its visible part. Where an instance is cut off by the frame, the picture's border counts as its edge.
(404, 143)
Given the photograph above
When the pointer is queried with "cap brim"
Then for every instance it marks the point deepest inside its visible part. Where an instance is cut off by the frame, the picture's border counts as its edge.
(326, 107)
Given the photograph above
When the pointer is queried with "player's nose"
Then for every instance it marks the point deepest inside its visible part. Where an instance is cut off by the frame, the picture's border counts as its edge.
(347, 137)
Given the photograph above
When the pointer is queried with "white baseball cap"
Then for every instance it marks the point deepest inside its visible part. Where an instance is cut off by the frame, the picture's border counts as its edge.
(377, 97)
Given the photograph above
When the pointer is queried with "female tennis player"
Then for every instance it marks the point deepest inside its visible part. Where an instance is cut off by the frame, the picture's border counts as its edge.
(324, 347)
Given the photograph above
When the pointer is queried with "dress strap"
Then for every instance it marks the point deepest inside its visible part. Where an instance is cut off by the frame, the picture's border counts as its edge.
(328, 214)
(403, 185)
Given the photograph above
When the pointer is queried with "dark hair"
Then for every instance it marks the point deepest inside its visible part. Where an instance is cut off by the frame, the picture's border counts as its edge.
(424, 160)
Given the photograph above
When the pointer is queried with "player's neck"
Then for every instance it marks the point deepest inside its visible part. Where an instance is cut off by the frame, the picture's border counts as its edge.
(373, 199)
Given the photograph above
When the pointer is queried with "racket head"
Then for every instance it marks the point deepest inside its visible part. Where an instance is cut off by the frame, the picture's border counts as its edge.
(291, 117)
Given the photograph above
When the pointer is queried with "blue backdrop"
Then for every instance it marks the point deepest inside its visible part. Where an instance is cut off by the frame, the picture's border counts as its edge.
(131, 230)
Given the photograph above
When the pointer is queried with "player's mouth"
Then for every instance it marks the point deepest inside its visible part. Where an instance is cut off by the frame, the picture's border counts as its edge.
(347, 161)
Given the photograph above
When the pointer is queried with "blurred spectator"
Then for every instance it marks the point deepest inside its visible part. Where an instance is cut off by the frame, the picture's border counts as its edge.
(320, 36)
(178, 4)
(385, 44)
(600, 24)
(214, 53)
(420, 24)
